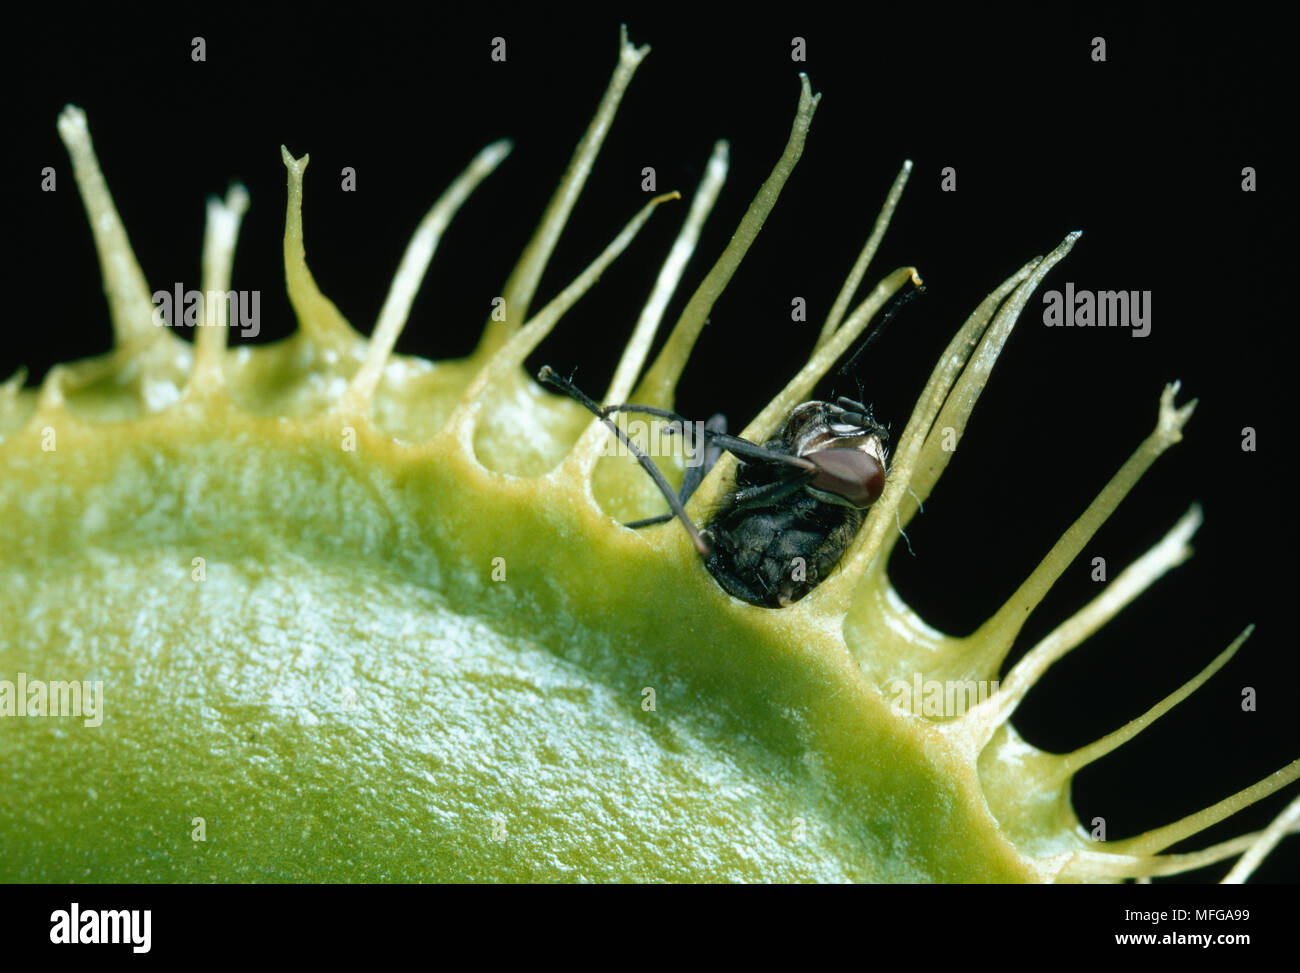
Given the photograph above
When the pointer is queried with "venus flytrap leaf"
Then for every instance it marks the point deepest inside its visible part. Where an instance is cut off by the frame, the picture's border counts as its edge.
(1161, 838)
(854, 280)
(658, 385)
(1072, 763)
(1137, 856)
(124, 284)
(1288, 822)
(934, 457)
(421, 638)
(220, 234)
(415, 261)
(503, 368)
(1000, 630)
(523, 282)
(587, 450)
(1099, 865)
(670, 274)
(318, 319)
(945, 382)
(977, 726)
(16, 409)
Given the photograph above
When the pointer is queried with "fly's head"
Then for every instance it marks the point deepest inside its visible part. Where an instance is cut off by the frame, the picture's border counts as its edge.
(845, 444)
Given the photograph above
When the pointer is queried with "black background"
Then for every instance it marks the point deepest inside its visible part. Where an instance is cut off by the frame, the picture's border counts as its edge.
(1143, 153)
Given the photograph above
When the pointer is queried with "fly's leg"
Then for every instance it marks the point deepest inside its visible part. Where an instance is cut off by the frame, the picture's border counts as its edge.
(548, 376)
(696, 472)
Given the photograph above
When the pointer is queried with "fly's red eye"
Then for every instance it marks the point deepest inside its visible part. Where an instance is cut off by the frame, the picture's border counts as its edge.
(849, 473)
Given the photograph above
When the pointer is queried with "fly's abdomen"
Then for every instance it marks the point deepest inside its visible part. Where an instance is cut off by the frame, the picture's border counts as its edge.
(775, 557)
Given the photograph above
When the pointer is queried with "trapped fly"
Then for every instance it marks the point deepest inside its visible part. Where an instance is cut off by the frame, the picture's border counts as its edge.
(798, 500)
